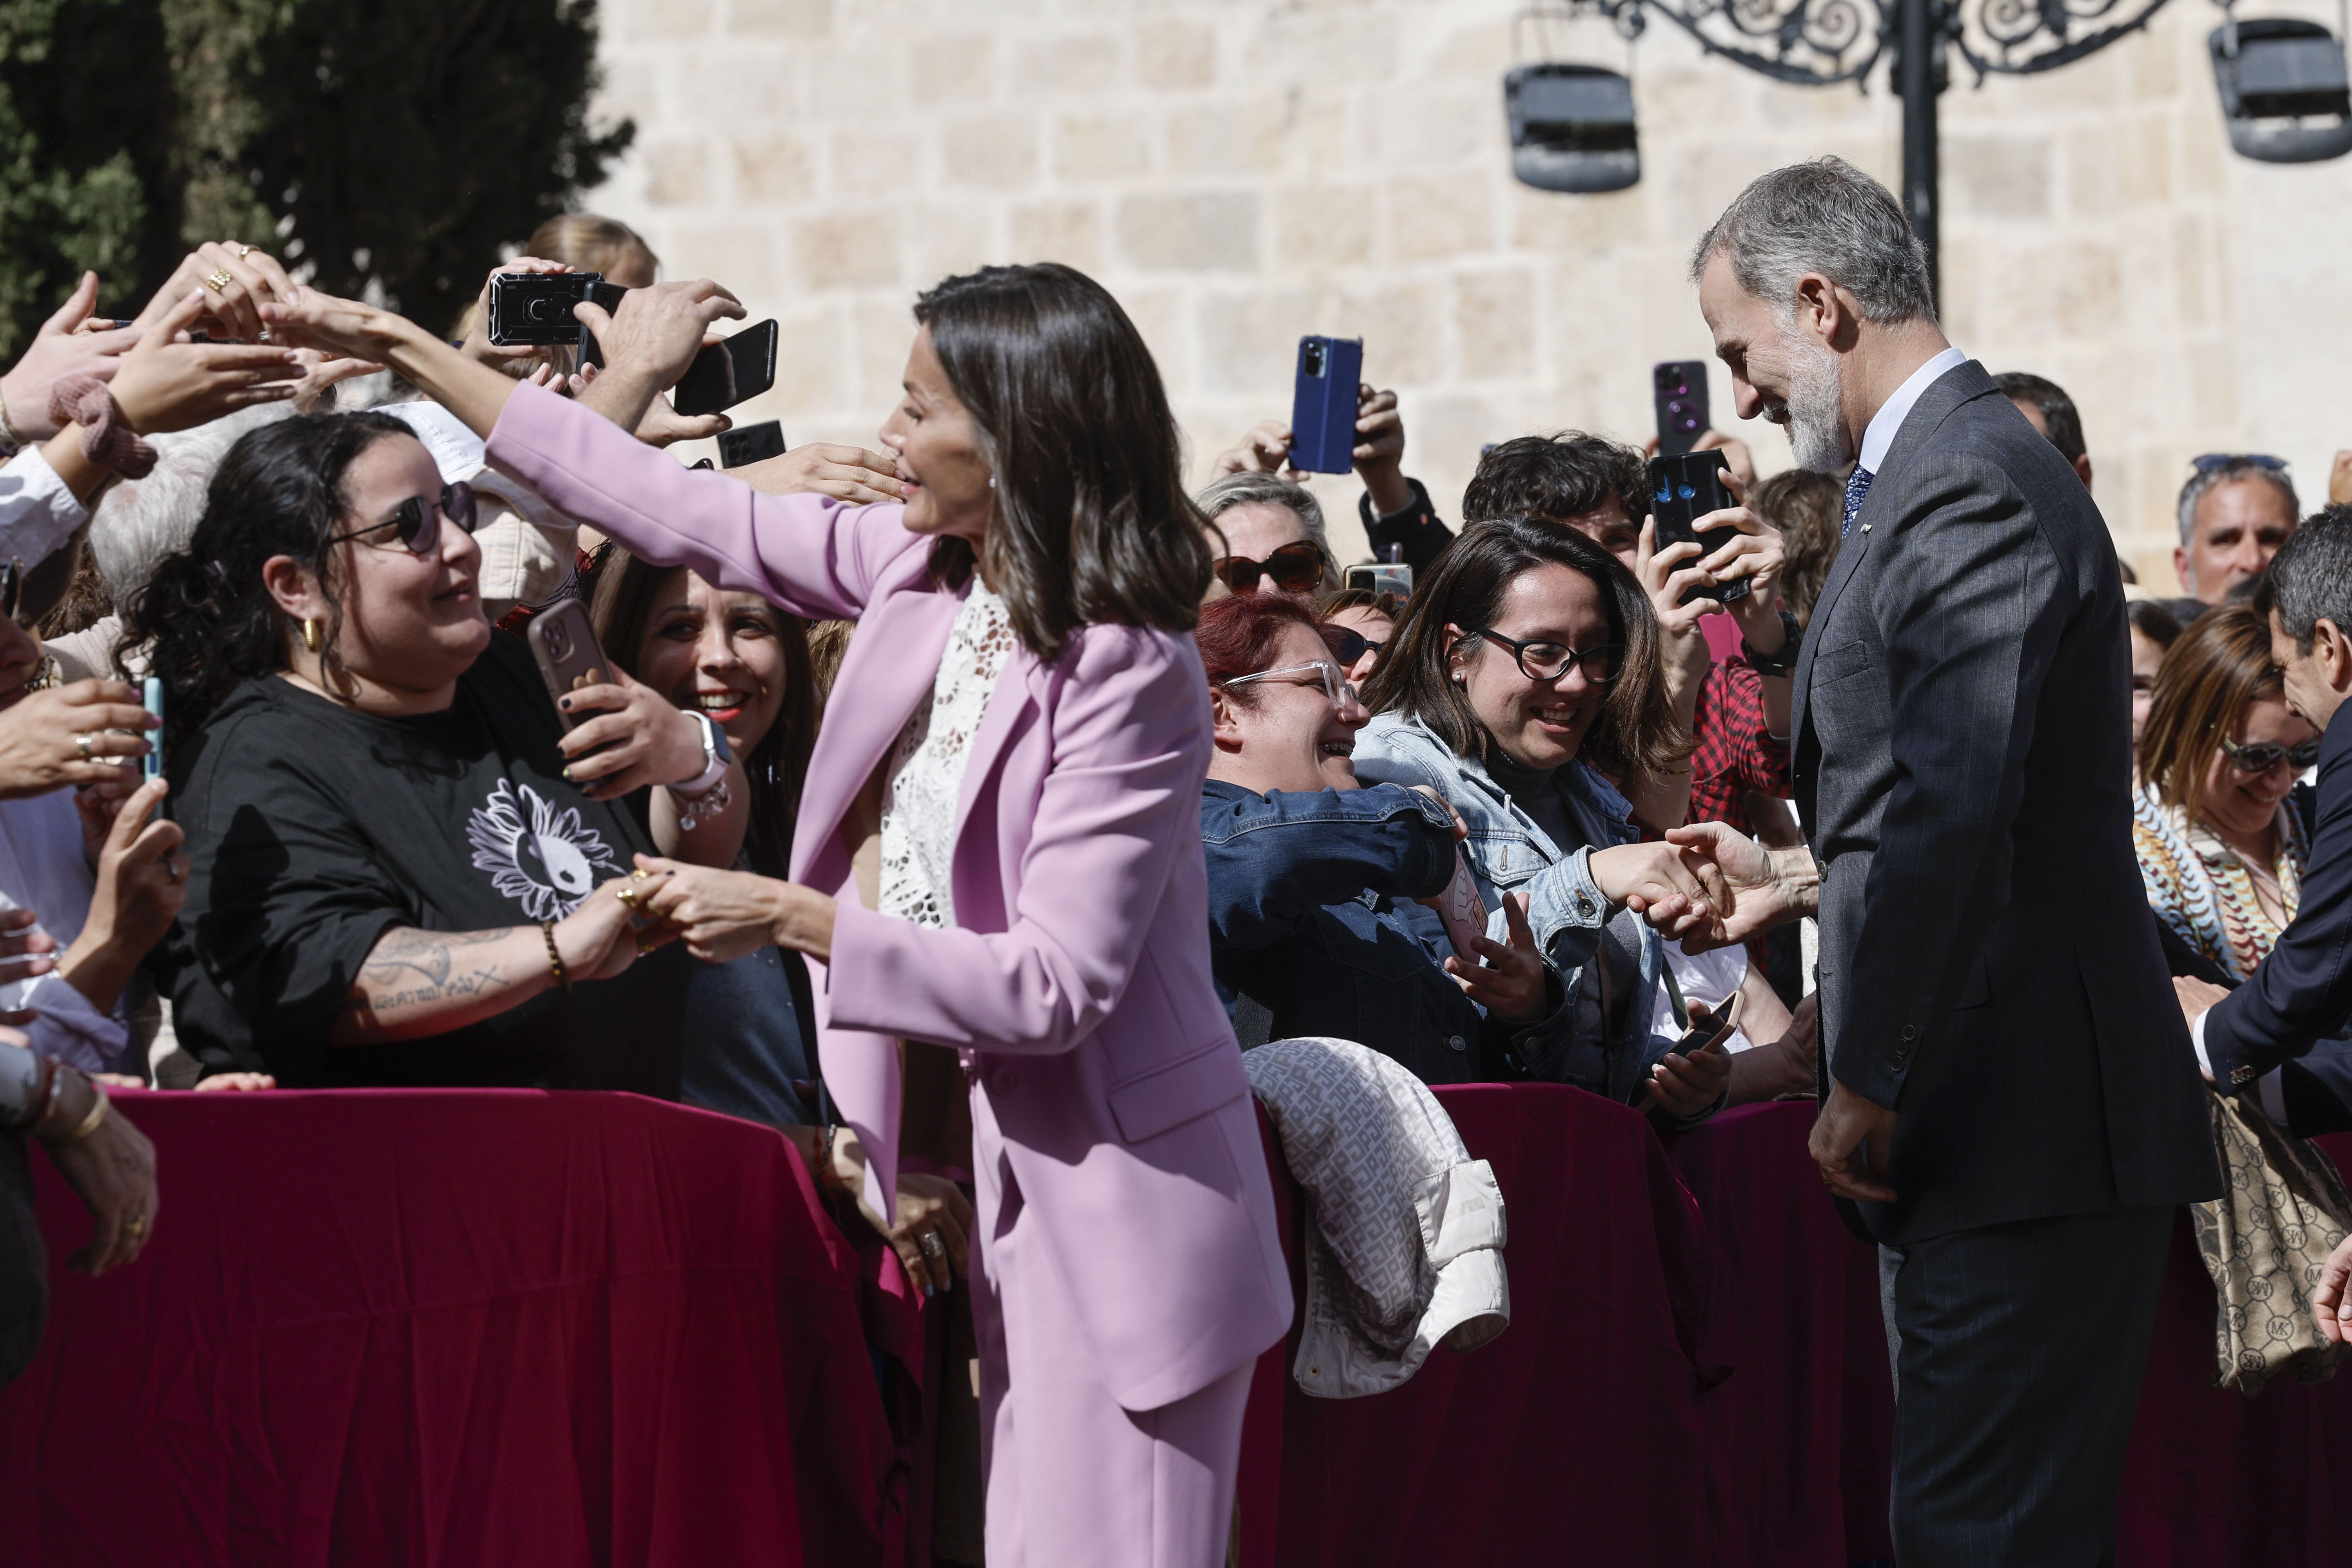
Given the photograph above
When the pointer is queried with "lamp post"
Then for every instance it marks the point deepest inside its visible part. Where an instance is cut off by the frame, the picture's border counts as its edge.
(1821, 43)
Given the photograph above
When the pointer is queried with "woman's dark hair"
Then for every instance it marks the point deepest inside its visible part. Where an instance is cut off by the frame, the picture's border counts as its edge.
(628, 591)
(1091, 520)
(1635, 735)
(2153, 621)
(211, 624)
(1807, 508)
(2211, 674)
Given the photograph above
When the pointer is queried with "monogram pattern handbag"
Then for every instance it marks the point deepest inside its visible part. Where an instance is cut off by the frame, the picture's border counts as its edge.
(2264, 1241)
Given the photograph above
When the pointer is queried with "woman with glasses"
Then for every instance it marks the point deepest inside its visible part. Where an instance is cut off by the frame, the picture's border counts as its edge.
(1314, 922)
(405, 870)
(1360, 625)
(1524, 677)
(2221, 844)
(1267, 537)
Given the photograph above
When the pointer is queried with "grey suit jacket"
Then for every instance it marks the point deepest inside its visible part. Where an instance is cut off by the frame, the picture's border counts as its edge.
(1962, 736)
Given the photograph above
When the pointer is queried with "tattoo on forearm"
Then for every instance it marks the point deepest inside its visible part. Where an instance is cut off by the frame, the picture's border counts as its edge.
(413, 968)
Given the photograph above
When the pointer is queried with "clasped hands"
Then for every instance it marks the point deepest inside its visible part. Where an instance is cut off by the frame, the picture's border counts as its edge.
(1707, 885)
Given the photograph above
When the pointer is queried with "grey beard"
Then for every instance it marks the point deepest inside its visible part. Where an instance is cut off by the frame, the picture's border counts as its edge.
(1814, 434)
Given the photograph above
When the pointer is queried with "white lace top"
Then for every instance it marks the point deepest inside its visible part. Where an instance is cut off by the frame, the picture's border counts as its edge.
(918, 808)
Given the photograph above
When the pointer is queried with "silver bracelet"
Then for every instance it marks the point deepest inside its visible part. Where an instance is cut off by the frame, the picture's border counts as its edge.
(704, 807)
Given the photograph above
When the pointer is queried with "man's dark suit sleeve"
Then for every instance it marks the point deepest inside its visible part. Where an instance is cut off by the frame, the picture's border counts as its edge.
(2303, 992)
(1968, 606)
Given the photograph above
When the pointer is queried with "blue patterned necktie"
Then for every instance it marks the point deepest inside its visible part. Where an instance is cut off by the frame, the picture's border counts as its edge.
(1857, 485)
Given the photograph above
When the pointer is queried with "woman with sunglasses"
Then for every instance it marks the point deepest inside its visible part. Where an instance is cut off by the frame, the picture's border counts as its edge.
(1524, 677)
(1360, 625)
(405, 870)
(1314, 922)
(1268, 535)
(2220, 840)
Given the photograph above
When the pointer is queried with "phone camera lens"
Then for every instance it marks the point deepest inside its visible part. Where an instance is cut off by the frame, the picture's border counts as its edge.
(1310, 362)
(559, 642)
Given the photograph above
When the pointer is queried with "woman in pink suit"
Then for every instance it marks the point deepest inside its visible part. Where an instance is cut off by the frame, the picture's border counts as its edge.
(1022, 715)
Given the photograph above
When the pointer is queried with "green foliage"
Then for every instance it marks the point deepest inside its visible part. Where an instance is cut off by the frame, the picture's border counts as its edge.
(389, 149)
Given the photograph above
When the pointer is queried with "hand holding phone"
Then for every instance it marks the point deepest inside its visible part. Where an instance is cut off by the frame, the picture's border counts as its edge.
(1704, 1070)
(1684, 488)
(1323, 404)
(564, 643)
(151, 766)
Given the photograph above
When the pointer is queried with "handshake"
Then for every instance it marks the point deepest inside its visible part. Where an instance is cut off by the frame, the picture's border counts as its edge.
(1709, 885)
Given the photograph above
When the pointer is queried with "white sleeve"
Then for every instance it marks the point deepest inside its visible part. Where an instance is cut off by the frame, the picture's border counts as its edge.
(68, 1028)
(37, 513)
(2197, 1038)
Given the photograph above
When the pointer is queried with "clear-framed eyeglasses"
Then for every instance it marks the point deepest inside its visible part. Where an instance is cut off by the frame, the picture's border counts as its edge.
(1334, 681)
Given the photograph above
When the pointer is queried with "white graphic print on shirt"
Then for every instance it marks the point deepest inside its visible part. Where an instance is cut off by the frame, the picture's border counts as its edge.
(543, 859)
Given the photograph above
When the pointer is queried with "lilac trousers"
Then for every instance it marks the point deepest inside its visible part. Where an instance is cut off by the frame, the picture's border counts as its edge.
(1074, 1480)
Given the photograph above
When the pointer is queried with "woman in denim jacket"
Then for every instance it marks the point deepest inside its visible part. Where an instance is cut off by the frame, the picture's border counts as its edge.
(1314, 922)
(1527, 672)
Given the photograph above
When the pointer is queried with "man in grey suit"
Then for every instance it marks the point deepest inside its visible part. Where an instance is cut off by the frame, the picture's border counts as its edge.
(2011, 1095)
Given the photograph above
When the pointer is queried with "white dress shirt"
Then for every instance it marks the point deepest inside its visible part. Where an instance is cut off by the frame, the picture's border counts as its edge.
(1888, 421)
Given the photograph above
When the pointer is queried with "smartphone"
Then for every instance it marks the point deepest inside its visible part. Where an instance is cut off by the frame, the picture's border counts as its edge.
(1463, 912)
(750, 443)
(533, 310)
(564, 643)
(1323, 406)
(1684, 488)
(1720, 1020)
(1679, 389)
(1392, 578)
(725, 374)
(150, 697)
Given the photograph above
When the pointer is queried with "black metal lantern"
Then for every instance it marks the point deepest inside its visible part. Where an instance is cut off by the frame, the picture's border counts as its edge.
(1571, 127)
(2284, 95)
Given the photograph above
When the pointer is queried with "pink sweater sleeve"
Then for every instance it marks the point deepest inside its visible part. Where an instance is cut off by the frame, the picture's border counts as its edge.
(811, 554)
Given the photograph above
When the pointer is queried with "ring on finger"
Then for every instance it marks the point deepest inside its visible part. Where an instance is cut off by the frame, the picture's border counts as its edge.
(931, 1245)
(220, 280)
(82, 739)
(242, 250)
(136, 1227)
(627, 895)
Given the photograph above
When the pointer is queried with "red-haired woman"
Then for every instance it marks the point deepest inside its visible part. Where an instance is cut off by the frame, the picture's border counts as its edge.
(1314, 927)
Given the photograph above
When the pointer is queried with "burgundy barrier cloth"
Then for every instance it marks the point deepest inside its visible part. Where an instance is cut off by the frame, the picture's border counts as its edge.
(452, 1328)
(1798, 1437)
(1576, 1436)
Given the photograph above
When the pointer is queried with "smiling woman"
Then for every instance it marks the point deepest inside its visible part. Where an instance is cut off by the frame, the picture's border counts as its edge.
(402, 862)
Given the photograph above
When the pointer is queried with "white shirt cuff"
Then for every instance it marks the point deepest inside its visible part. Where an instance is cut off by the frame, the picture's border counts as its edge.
(37, 513)
(2197, 1038)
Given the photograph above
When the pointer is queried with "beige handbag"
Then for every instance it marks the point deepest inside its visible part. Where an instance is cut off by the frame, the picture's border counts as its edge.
(2282, 1211)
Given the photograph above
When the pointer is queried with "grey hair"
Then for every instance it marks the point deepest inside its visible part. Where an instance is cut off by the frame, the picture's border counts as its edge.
(1221, 496)
(1824, 217)
(2310, 579)
(139, 522)
(2235, 469)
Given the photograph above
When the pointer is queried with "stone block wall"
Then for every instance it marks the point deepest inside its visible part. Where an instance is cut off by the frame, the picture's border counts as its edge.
(1241, 172)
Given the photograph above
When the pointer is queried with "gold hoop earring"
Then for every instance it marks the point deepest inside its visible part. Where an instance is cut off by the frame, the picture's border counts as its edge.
(311, 634)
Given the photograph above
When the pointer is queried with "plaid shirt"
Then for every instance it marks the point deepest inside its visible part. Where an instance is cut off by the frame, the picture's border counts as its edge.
(1737, 751)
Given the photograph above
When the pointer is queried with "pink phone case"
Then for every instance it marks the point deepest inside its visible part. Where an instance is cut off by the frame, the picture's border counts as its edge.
(1460, 906)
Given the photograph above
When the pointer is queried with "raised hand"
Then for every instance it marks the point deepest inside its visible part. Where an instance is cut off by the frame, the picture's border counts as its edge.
(61, 349)
(845, 473)
(1510, 983)
(1264, 450)
(166, 384)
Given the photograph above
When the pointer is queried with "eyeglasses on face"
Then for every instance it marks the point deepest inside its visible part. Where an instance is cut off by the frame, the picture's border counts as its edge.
(2261, 756)
(1336, 685)
(1296, 568)
(1350, 644)
(1547, 661)
(2209, 461)
(418, 519)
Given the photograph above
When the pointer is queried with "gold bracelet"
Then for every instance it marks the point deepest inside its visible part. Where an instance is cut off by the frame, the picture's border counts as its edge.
(97, 1113)
(554, 958)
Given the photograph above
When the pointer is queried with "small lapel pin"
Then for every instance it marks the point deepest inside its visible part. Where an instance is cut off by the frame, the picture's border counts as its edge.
(1865, 528)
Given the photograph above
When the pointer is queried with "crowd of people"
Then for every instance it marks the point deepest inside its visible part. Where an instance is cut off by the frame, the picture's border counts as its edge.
(287, 546)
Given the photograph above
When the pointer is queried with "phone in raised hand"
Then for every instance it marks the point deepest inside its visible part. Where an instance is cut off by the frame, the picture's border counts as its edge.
(150, 697)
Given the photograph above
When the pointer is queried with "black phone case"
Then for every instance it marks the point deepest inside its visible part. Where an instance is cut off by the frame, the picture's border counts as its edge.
(750, 443)
(725, 374)
(1685, 487)
(1678, 388)
(533, 310)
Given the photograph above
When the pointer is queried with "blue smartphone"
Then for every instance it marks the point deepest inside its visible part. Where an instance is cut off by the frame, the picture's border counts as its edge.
(151, 697)
(1323, 407)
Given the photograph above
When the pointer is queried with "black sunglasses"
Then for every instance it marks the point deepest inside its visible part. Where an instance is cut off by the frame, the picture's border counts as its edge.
(2212, 460)
(1295, 568)
(1547, 661)
(2261, 756)
(1350, 644)
(419, 519)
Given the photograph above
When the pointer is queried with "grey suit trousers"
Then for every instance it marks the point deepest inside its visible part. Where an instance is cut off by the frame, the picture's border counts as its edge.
(2022, 1350)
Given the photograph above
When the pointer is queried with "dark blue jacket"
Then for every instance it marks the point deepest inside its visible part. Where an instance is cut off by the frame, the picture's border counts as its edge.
(1312, 930)
(2301, 994)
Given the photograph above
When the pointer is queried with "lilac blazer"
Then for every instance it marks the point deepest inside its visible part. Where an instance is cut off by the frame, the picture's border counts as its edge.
(1077, 973)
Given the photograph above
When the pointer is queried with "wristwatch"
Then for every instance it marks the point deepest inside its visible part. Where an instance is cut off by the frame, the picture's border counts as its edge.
(1783, 662)
(715, 757)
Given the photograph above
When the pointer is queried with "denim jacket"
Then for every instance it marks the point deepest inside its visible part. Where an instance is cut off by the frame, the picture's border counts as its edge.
(1567, 911)
(1312, 930)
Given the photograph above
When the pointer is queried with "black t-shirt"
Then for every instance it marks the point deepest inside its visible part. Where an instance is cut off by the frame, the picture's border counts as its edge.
(314, 829)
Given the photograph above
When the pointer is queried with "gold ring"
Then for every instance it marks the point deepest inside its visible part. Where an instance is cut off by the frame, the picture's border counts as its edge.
(136, 1226)
(82, 743)
(220, 280)
(628, 897)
